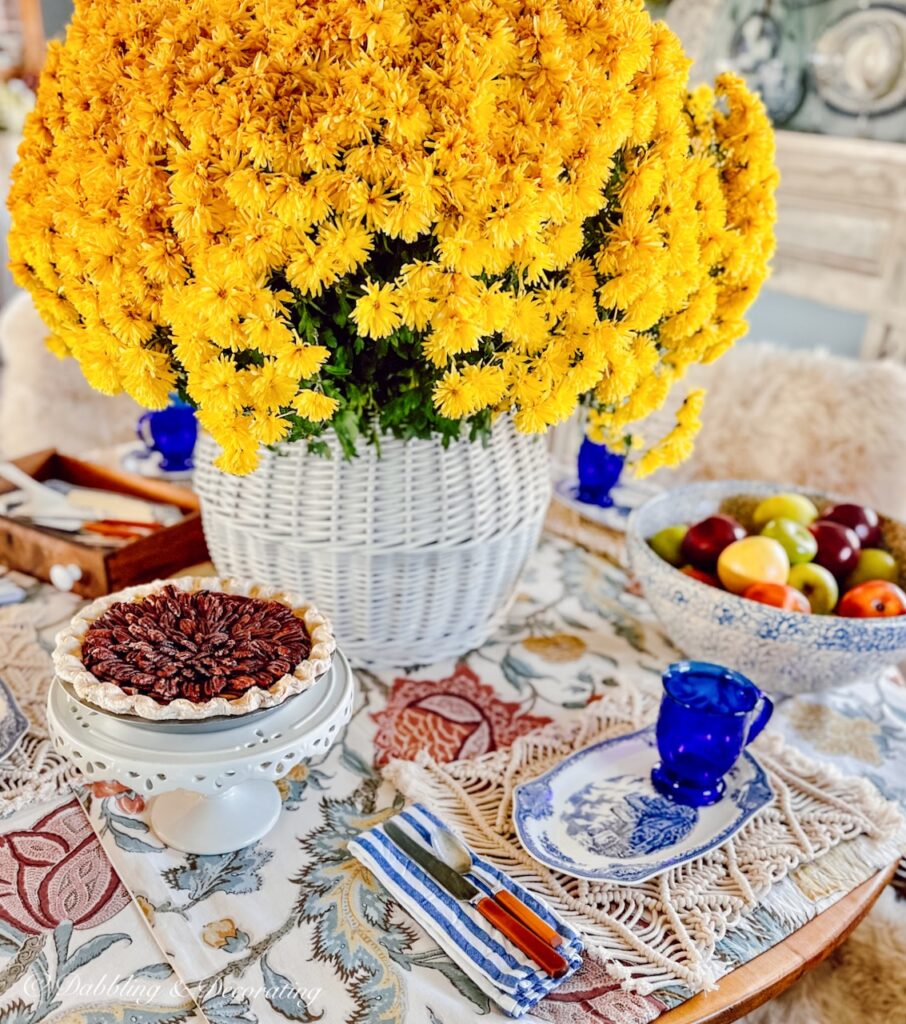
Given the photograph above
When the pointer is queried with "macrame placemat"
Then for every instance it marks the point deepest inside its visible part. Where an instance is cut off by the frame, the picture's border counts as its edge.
(663, 932)
(34, 771)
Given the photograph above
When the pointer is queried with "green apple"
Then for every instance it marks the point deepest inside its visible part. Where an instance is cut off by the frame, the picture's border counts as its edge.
(785, 506)
(873, 564)
(667, 543)
(818, 585)
(794, 538)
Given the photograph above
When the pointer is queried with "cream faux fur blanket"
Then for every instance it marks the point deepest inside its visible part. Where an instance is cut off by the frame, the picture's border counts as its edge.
(803, 417)
(45, 402)
(862, 982)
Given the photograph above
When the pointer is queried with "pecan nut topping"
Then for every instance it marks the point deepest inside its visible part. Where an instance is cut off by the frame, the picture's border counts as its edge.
(196, 646)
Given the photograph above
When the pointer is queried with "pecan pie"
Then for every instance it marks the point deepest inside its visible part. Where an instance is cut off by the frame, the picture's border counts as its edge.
(193, 648)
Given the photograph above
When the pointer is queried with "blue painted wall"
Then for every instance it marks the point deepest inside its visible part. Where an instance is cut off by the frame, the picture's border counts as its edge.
(801, 323)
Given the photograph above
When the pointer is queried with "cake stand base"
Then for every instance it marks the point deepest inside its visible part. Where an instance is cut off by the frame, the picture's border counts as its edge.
(209, 791)
(195, 823)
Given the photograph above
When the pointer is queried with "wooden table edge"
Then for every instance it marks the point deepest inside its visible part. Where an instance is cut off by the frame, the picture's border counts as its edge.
(771, 973)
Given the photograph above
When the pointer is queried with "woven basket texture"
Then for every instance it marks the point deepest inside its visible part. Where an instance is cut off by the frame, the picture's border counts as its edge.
(414, 553)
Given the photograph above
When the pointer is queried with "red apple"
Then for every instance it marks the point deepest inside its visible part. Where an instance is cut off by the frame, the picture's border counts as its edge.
(780, 595)
(702, 577)
(838, 547)
(860, 518)
(872, 600)
(704, 541)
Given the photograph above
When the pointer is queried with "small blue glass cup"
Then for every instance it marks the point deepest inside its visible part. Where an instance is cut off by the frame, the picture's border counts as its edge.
(599, 470)
(708, 715)
(172, 433)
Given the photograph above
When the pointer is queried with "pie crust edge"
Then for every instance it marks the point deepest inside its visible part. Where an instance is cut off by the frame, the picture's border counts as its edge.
(69, 667)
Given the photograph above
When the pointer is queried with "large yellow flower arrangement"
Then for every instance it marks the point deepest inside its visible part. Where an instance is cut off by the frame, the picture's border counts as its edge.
(397, 215)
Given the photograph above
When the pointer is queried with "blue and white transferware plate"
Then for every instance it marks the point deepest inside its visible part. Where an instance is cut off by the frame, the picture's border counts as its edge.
(596, 815)
(13, 724)
(627, 495)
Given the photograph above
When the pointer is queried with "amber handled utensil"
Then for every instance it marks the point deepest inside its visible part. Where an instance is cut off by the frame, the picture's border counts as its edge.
(121, 528)
(547, 958)
(453, 851)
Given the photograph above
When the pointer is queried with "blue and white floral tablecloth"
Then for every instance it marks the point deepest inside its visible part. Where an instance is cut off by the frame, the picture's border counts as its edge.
(295, 929)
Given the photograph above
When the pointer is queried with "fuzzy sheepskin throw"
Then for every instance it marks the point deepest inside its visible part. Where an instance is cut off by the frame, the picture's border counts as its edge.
(45, 402)
(802, 417)
(862, 982)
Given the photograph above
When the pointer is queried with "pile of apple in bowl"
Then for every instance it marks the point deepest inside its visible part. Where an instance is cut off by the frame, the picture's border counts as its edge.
(799, 590)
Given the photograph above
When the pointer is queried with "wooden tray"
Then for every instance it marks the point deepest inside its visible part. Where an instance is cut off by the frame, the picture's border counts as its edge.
(35, 551)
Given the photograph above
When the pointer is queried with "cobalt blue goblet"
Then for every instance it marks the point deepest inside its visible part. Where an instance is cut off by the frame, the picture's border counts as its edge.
(708, 715)
(599, 470)
(172, 433)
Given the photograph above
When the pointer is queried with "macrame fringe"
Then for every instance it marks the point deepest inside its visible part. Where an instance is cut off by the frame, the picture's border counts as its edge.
(34, 771)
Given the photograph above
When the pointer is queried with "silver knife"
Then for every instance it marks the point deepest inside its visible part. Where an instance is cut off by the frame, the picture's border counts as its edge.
(547, 958)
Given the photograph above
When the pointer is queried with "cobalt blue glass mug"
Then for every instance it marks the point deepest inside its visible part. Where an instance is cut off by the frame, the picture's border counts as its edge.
(172, 433)
(708, 715)
(599, 470)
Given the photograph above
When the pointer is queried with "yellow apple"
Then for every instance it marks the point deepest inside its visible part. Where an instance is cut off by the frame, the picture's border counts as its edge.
(752, 560)
(785, 506)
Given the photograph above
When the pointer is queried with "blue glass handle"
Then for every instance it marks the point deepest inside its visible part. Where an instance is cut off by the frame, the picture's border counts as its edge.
(140, 429)
(762, 716)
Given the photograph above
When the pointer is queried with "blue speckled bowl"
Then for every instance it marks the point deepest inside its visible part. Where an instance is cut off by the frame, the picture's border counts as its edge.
(783, 652)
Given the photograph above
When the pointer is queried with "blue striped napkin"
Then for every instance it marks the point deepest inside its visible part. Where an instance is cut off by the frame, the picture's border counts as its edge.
(497, 967)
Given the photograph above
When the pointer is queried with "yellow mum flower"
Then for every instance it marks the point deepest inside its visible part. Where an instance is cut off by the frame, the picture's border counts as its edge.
(416, 304)
(221, 386)
(454, 395)
(527, 328)
(347, 242)
(302, 361)
(315, 406)
(148, 377)
(369, 203)
(236, 458)
(456, 328)
(486, 384)
(311, 270)
(677, 445)
(98, 362)
(521, 207)
(377, 312)
(270, 386)
(269, 428)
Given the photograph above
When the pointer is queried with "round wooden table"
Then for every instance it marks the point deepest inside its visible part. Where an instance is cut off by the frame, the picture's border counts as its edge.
(774, 971)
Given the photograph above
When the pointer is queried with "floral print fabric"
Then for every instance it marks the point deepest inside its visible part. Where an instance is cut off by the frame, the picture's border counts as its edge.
(73, 945)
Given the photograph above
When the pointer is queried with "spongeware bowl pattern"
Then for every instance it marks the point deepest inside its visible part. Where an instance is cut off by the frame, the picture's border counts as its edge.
(783, 652)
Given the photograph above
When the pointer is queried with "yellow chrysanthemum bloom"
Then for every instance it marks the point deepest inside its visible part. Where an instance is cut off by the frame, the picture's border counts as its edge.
(389, 215)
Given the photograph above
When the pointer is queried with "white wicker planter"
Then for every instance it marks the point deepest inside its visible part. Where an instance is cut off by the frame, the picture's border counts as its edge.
(414, 555)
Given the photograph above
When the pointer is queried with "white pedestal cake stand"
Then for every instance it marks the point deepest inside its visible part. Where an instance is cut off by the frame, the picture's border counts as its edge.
(212, 783)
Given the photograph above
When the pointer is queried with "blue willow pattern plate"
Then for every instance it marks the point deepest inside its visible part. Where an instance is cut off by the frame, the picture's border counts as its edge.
(13, 724)
(597, 816)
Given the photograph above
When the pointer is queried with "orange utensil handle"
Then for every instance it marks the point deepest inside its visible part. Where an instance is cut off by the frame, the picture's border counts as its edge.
(117, 528)
(528, 917)
(546, 958)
